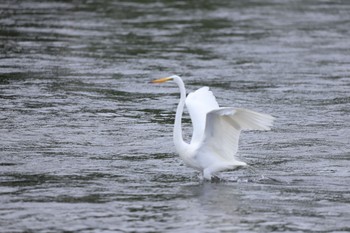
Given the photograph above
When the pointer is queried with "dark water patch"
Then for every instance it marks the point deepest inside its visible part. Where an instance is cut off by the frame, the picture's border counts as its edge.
(170, 178)
(23, 180)
(335, 101)
(141, 157)
(8, 164)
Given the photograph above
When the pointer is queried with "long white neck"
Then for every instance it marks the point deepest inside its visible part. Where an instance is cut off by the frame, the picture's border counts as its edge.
(180, 145)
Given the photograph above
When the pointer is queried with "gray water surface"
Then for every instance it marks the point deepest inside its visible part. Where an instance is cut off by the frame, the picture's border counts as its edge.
(86, 140)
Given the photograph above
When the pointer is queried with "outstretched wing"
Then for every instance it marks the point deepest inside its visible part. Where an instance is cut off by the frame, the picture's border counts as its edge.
(224, 125)
(199, 103)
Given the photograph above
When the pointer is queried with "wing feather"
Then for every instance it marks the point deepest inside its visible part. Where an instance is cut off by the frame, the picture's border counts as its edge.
(223, 128)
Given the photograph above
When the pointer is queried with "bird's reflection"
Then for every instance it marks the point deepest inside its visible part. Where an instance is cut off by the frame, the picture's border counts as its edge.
(222, 198)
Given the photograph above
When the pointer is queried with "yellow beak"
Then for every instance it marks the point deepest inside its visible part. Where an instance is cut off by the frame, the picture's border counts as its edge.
(162, 80)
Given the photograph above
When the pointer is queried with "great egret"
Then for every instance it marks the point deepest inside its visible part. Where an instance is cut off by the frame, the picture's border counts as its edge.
(216, 130)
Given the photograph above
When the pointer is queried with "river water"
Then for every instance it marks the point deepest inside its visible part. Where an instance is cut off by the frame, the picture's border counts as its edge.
(86, 140)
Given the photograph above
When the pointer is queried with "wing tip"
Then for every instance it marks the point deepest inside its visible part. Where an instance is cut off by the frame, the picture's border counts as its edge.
(254, 120)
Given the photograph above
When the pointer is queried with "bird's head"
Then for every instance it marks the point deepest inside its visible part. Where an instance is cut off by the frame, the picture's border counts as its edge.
(162, 80)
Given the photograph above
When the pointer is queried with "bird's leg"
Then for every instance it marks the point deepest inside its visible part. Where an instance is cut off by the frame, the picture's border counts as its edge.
(215, 179)
(207, 174)
(201, 176)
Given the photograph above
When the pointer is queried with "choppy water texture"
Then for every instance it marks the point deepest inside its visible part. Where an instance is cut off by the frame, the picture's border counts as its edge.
(86, 140)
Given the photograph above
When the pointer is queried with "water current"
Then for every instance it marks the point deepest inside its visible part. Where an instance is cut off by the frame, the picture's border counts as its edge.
(86, 140)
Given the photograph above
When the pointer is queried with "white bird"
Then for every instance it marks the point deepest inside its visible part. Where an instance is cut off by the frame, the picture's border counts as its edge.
(216, 130)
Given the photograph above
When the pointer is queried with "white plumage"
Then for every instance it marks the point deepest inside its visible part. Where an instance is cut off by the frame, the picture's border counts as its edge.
(216, 130)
